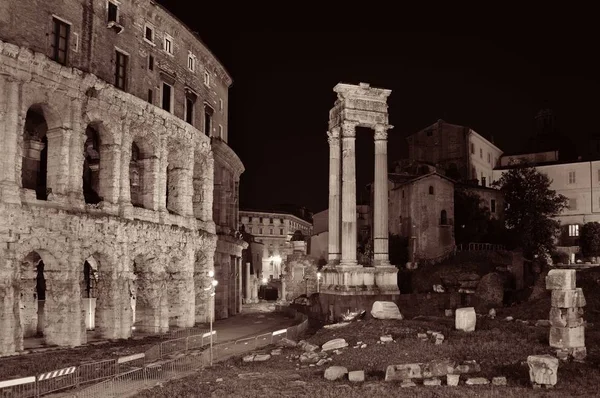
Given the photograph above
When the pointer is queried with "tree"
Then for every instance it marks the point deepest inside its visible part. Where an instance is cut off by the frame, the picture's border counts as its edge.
(531, 204)
(590, 239)
(471, 219)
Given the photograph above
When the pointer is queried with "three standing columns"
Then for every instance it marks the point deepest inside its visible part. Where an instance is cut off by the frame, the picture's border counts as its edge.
(342, 196)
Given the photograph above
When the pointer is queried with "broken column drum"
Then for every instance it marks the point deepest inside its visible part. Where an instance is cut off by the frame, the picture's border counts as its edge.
(357, 106)
(566, 314)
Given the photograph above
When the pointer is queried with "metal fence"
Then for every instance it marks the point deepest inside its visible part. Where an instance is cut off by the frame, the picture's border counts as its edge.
(479, 247)
(94, 372)
(167, 360)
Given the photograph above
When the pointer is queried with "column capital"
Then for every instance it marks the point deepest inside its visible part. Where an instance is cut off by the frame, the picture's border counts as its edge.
(349, 129)
(333, 136)
(381, 131)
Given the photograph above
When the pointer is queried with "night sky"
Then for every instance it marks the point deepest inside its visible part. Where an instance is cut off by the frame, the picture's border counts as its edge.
(283, 80)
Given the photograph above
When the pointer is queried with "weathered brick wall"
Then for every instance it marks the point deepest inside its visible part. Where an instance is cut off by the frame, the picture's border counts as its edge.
(300, 276)
(93, 46)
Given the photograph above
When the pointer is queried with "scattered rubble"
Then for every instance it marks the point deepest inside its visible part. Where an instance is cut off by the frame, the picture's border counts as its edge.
(386, 310)
(335, 372)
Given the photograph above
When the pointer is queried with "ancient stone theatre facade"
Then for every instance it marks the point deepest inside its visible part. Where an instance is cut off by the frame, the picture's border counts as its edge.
(107, 113)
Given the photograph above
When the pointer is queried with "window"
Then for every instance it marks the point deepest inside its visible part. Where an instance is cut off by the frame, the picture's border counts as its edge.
(598, 175)
(472, 148)
(191, 62)
(493, 205)
(190, 104)
(150, 96)
(121, 70)
(208, 113)
(206, 78)
(431, 190)
(260, 231)
(221, 132)
(483, 182)
(280, 231)
(150, 62)
(149, 34)
(167, 97)
(260, 220)
(250, 229)
(168, 44)
(489, 158)
(572, 204)
(270, 220)
(220, 105)
(250, 219)
(60, 40)
(429, 133)
(271, 231)
(112, 12)
(443, 218)
(282, 220)
(571, 177)
(574, 230)
(481, 153)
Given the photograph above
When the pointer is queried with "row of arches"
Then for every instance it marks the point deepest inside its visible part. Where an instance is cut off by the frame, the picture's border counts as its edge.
(151, 298)
(99, 155)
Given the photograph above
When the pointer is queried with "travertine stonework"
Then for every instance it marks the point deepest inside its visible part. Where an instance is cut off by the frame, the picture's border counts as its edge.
(152, 259)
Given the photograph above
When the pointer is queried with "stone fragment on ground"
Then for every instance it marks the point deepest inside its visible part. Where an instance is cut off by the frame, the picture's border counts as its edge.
(276, 351)
(386, 339)
(336, 325)
(465, 319)
(251, 375)
(434, 368)
(542, 322)
(385, 310)
(407, 383)
(543, 369)
(335, 372)
(509, 318)
(334, 344)
(452, 380)
(298, 383)
(492, 313)
(476, 381)
(285, 342)
(448, 312)
(432, 382)
(499, 381)
(356, 375)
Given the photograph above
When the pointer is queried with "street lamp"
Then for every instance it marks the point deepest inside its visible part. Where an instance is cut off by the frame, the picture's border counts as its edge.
(211, 287)
(318, 279)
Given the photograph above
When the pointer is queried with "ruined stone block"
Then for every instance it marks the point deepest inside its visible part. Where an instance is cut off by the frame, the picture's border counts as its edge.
(437, 367)
(432, 382)
(543, 369)
(477, 381)
(561, 279)
(452, 380)
(403, 372)
(568, 298)
(566, 317)
(465, 367)
(578, 353)
(356, 375)
(565, 337)
(465, 319)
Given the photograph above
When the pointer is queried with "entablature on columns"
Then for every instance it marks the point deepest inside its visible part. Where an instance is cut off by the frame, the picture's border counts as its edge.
(361, 104)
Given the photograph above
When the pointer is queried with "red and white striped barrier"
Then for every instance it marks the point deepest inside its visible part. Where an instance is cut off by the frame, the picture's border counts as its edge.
(57, 373)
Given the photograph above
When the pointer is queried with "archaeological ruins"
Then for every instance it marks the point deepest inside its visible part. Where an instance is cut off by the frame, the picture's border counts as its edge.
(348, 284)
(107, 174)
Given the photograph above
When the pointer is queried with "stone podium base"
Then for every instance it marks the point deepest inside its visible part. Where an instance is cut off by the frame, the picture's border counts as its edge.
(355, 288)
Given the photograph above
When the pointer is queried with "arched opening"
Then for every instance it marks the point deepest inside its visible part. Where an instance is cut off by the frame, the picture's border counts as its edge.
(89, 291)
(32, 296)
(35, 153)
(431, 190)
(444, 218)
(91, 166)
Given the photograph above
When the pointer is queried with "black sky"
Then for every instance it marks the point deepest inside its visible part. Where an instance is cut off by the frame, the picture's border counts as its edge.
(493, 83)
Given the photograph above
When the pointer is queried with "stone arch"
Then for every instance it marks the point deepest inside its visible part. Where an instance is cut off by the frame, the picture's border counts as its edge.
(101, 293)
(144, 162)
(101, 161)
(40, 118)
(149, 294)
(178, 193)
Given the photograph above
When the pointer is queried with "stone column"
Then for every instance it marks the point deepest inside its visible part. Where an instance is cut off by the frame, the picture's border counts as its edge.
(180, 287)
(247, 285)
(240, 283)
(348, 195)
(110, 166)
(63, 318)
(10, 128)
(58, 160)
(380, 198)
(335, 184)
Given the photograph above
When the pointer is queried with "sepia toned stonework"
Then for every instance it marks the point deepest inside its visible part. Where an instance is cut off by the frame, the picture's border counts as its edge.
(356, 106)
(106, 182)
